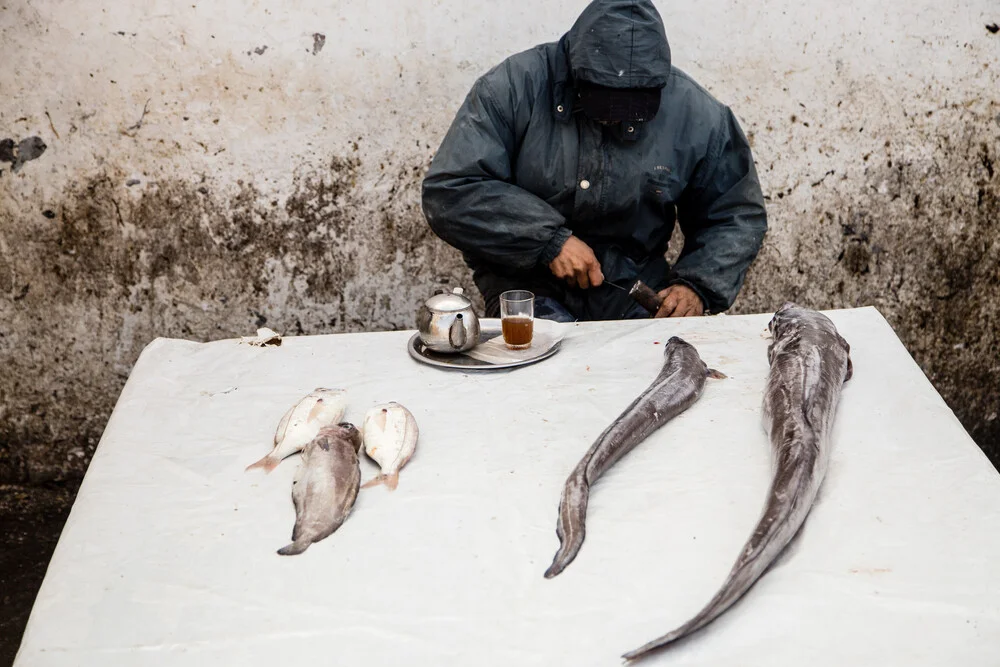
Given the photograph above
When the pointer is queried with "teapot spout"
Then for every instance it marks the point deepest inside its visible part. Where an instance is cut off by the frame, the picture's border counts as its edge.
(456, 333)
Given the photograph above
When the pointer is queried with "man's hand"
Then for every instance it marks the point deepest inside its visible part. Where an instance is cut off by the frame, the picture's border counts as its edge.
(577, 265)
(679, 301)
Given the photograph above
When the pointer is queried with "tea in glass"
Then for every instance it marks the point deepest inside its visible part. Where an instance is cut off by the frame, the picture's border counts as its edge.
(517, 318)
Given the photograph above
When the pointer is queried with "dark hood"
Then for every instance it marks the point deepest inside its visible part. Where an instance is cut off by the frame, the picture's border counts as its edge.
(619, 44)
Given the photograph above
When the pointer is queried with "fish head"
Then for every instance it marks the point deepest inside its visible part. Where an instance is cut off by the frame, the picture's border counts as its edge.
(678, 353)
(674, 344)
(350, 432)
(781, 316)
(792, 321)
(791, 315)
(344, 431)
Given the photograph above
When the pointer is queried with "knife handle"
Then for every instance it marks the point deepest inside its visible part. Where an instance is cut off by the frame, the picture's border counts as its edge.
(645, 297)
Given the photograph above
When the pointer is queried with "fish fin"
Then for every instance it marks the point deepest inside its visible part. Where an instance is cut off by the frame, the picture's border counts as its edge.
(391, 480)
(316, 410)
(374, 481)
(294, 548)
(716, 375)
(268, 463)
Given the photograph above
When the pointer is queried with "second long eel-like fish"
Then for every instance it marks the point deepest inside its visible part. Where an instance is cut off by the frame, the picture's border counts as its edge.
(809, 364)
(674, 390)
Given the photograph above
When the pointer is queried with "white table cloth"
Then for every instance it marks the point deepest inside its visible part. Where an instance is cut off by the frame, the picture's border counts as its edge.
(168, 557)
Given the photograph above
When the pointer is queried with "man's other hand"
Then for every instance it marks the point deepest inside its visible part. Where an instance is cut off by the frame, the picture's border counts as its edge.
(577, 265)
(680, 301)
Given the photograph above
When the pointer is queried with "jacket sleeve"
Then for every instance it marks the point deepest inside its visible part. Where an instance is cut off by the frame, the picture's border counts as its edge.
(469, 198)
(723, 219)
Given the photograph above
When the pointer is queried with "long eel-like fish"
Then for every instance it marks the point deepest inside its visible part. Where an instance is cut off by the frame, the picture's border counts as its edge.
(678, 385)
(809, 364)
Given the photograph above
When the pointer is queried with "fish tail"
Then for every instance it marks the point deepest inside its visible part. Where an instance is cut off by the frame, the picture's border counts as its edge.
(738, 583)
(268, 463)
(374, 481)
(392, 480)
(294, 548)
(571, 526)
(774, 530)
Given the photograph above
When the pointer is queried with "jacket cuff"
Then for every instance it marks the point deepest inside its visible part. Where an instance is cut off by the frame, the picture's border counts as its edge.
(554, 246)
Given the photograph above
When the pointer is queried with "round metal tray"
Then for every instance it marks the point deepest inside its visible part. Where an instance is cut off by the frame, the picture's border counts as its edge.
(489, 328)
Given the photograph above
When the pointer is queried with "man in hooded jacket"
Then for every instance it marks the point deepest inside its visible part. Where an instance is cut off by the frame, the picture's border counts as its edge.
(568, 164)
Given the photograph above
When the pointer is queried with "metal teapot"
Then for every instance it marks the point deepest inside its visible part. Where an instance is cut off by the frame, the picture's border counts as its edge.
(446, 322)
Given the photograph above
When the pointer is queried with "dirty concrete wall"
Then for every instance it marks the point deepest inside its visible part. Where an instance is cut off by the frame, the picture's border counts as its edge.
(197, 169)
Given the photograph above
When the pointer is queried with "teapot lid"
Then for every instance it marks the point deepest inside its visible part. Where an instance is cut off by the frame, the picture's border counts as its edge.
(449, 301)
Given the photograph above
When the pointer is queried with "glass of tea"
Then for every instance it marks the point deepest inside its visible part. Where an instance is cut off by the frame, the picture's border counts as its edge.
(517, 317)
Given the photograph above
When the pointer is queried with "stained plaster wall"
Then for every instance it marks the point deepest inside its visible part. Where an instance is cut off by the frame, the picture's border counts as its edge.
(195, 169)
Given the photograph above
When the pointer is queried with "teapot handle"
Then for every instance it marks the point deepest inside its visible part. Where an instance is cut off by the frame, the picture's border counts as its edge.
(423, 319)
(456, 333)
